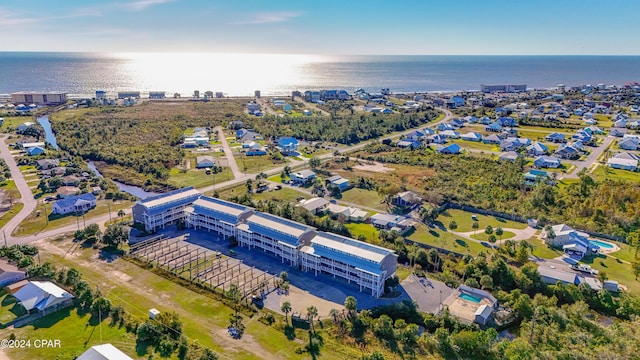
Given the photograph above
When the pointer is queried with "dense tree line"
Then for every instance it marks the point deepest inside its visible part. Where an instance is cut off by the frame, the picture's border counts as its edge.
(607, 206)
(344, 129)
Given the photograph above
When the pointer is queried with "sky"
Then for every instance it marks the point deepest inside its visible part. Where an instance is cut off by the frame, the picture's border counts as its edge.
(341, 27)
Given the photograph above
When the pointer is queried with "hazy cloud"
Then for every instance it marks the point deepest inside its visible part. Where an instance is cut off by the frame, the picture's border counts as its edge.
(10, 19)
(270, 17)
(143, 4)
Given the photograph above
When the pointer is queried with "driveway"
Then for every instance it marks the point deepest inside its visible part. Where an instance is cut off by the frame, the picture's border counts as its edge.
(231, 160)
(590, 160)
(427, 293)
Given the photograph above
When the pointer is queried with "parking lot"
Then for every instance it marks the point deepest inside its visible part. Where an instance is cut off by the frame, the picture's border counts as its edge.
(427, 293)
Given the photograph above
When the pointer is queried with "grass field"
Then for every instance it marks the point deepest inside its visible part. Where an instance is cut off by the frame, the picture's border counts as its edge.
(34, 224)
(15, 209)
(197, 177)
(615, 270)
(484, 237)
(541, 250)
(284, 194)
(369, 231)
(477, 145)
(445, 240)
(465, 222)
(9, 187)
(367, 198)
(603, 172)
(12, 122)
(205, 319)
(256, 164)
(81, 331)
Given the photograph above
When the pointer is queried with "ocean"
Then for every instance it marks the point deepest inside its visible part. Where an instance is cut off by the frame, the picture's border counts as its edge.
(80, 74)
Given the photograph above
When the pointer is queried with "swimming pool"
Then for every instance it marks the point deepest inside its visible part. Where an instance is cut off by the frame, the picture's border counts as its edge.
(470, 297)
(602, 244)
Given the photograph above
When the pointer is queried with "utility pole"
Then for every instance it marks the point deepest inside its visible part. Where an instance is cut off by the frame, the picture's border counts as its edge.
(46, 218)
(109, 206)
(5, 238)
(77, 220)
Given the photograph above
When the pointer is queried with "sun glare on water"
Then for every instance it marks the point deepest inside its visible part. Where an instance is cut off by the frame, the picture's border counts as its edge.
(233, 74)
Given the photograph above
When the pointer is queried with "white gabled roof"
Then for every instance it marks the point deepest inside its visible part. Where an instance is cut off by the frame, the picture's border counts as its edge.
(41, 295)
(103, 352)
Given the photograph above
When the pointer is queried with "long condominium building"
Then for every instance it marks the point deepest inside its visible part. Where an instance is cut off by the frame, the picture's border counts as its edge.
(299, 245)
(503, 88)
(39, 98)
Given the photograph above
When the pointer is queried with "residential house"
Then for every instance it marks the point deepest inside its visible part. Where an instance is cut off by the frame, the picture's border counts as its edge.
(513, 143)
(418, 135)
(624, 161)
(553, 276)
(509, 156)
(74, 204)
(451, 134)
(24, 126)
(449, 149)
(67, 191)
(103, 352)
(472, 136)
(256, 150)
(10, 273)
(507, 121)
(407, 199)
(303, 176)
(436, 139)
(455, 102)
(537, 149)
(485, 120)
(567, 152)
(494, 127)
(583, 136)
(534, 176)
(288, 145)
(252, 107)
(71, 180)
(617, 132)
(570, 240)
(339, 181)
(408, 144)
(629, 143)
(594, 130)
(46, 164)
(205, 161)
(492, 139)
(391, 222)
(555, 137)
(622, 123)
(348, 213)
(41, 295)
(457, 123)
(445, 127)
(246, 135)
(547, 162)
(315, 205)
(35, 151)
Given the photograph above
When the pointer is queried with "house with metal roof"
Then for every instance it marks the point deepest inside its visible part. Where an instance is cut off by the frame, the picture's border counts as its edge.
(74, 204)
(555, 137)
(160, 210)
(565, 236)
(365, 264)
(103, 352)
(391, 221)
(472, 136)
(491, 139)
(10, 273)
(216, 215)
(314, 205)
(449, 149)
(303, 176)
(537, 149)
(547, 162)
(41, 295)
(279, 236)
(553, 276)
(629, 143)
(288, 145)
(509, 156)
(624, 161)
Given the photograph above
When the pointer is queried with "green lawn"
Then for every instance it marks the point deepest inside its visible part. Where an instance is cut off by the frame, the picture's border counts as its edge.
(76, 332)
(11, 189)
(15, 209)
(204, 319)
(284, 194)
(10, 309)
(13, 122)
(615, 270)
(477, 145)
(256, 164)
(368, 230)
(445, 240)
(34, 224)
(541, 250)
(465, 222)
(603, 172)
(484, 237)
(367, 198)
(197, 177)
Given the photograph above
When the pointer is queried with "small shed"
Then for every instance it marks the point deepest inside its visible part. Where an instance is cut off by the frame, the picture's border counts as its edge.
(483, 314)
(205, 162)
(153, 313)
(611, 285)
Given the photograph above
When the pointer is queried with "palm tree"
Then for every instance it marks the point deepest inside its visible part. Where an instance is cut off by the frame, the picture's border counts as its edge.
(351, 304)
(334, 315)
(312, 312)
(286, 309)
(121, 214)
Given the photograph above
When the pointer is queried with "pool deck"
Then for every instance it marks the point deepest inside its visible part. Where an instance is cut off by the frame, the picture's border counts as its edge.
(464, 310)
(605, 250)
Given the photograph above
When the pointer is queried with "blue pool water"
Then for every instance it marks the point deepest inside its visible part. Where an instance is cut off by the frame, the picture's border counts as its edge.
(469, 297)
(601, 244)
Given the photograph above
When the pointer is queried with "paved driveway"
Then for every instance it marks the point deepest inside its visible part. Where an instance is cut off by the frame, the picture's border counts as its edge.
(427, 293)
